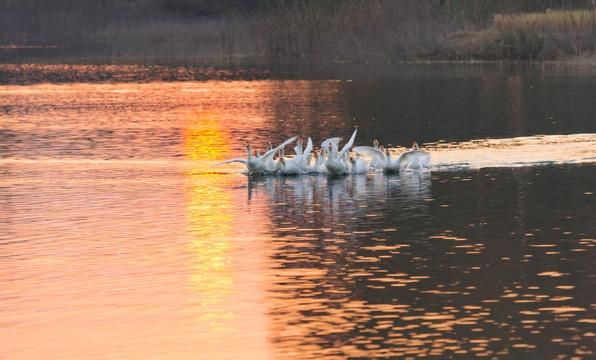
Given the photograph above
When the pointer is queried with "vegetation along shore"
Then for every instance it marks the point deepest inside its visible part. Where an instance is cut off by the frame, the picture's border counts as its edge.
(194, 31)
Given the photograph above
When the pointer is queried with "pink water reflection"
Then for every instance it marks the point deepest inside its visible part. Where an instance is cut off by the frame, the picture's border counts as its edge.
(115, 246)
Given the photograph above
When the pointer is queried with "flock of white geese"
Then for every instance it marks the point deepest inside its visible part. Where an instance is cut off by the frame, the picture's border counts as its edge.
(330, 160)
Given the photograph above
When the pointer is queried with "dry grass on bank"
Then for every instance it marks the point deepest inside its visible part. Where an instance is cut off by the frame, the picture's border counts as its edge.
(551, 35)
(569, 22)
(543, 36)
(349, 31)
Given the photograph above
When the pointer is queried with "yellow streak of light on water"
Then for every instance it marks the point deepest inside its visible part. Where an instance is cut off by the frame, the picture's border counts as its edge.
(225, 302)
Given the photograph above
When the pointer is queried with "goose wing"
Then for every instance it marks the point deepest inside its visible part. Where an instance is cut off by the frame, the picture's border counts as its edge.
(423, 158)
(307, 154)
(348, 146)
(244, 161)
(334, 140)
(272, 152)
(370, 151)
(309, 147)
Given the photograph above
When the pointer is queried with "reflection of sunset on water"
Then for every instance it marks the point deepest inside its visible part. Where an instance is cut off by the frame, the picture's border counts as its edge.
(209, 215)
(204, 139)
(224, 302)
(209, 222)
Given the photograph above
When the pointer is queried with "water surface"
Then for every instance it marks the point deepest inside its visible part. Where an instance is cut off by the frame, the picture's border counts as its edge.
(119, 241)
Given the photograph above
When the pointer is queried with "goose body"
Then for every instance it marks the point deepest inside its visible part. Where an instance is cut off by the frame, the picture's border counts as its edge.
(288, 167)
(303, 157)
(374, 160)
(319, 165)
(383, 157)
(414, 159)
(335, 163)
(358, 165)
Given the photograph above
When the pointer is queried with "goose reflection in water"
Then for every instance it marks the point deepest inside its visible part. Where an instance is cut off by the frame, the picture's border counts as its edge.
(357, 196)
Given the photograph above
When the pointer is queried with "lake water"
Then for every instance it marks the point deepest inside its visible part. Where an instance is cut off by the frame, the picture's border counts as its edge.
(118, 240)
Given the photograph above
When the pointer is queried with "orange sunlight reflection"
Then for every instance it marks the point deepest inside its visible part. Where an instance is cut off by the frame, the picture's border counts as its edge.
(225, 304)
(204, 138)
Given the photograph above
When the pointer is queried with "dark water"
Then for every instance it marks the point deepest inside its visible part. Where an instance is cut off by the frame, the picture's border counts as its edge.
(117, 239)
(488, 263)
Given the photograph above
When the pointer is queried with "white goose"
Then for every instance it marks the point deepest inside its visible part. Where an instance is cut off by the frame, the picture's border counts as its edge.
(333, 141)
(302, 158)
(358, 165)
(319, 165)
(307, 154)
(376, 153)
(257, 164)
(414, 159)
(409, 160)
(270, 163)
(374, 160)
(288, 167)
(279, 164)
(334, 162)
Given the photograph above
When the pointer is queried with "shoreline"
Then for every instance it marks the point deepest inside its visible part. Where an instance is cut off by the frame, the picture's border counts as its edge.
(244, 70)
(9, 55)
